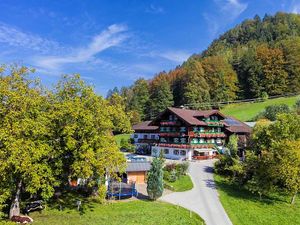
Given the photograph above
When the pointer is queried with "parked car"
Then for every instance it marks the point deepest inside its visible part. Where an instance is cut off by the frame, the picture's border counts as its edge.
(138, 159)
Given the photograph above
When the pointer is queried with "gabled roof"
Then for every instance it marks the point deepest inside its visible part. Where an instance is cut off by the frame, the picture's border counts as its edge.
(234, 125)
(189, 116)
(144, 126)
(138, 166)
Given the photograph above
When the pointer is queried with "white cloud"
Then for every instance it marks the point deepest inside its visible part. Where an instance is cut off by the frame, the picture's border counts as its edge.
(17, 38)
(296, 8)
(155, 9)
(226, 12)
(175, 56)
(231, 8)
(110, 37)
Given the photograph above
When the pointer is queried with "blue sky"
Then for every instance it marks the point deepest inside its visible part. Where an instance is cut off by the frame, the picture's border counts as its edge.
(112, 43)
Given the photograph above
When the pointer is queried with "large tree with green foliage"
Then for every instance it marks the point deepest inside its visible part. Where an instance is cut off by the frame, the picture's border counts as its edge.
(140, 97)
(25, 150)
(161, 96)
(196, 89)
(81, 134)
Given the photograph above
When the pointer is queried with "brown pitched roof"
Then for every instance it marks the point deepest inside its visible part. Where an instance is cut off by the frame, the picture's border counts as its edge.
(189, 115)
(234, 125)
(144, 126)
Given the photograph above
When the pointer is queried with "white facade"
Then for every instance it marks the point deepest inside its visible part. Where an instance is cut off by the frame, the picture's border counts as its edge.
(172, 153)
(180, 153)
(145, 136)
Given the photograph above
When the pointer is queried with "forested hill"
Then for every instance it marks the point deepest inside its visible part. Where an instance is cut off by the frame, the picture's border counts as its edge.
(259, 57)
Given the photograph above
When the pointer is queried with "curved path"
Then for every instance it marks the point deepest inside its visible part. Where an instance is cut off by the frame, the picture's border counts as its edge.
(203, 199)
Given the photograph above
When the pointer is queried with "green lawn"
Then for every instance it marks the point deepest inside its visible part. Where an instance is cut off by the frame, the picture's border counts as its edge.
(245, 208)
(247, 111)
(119, 137)
(121, 213)
(184, 183)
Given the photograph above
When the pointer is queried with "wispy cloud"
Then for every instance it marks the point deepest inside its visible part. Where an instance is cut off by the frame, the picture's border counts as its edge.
(110, 37)
(16, 38)
(295, 7)
(175, 56)
(226, 12)
(232, 8)
(155, 9)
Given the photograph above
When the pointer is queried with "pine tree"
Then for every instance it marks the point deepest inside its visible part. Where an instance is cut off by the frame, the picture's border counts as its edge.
(155, 186)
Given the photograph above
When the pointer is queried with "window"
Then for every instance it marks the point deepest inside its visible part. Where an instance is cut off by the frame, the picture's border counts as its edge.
(219, 129)
(166, 151)
(176, 140)
(194, 140)
(136, 136)
(212, 140)
(182, 152)
(219, 140)
(162, 129)
(152, 136)
(173, 129)
(145, 136)
(163, 140)
(170, 117)
(182, 129)
(201, 129)
(175, 118)
(201, 140)
(167, 129)
(212, 129)
(182, 140)
(176, 152)
(195, 129)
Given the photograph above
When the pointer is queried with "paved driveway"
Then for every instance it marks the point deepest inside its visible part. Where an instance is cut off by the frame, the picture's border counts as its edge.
(203, 198)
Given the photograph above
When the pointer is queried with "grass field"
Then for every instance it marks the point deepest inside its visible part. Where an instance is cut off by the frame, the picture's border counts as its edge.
(119, 137)
(245, 208)
(184, 183)
(121, 213)
(247, 111)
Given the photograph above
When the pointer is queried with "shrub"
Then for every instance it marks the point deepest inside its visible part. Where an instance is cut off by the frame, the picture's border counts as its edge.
(166, 175)
(264, 96)
(272, 111)
(173, 176)
(182, 168)
(169, 167)
(101, 194)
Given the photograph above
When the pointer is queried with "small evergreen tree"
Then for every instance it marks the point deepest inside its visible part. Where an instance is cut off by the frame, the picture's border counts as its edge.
(155, 186)
(233, 145)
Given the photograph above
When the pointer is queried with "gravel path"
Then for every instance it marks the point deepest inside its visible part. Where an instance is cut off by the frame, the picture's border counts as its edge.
(203, 199)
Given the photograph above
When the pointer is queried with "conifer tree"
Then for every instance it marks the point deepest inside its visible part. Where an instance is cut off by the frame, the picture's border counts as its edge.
(155, 186)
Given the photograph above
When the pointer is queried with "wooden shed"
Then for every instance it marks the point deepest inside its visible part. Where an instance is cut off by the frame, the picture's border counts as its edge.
(137, 172)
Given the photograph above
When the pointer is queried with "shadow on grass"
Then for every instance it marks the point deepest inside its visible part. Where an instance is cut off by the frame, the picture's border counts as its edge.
(236, 191)
(70, 201)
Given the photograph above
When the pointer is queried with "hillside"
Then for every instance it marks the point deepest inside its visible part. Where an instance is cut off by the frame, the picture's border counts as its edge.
(257, 57)
(247, 111)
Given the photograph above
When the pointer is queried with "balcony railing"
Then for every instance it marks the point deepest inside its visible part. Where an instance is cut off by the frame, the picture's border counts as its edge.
(148, 141)
(193, 146)
(170, 134)
(206, 134)
(166, 123)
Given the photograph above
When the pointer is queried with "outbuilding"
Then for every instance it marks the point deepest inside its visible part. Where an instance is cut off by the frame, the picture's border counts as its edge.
(136, 172)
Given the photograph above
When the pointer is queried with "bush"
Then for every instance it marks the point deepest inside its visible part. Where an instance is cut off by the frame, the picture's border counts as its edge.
(173, 176)
(272, 111)
(264, 96)
(169, 167)
(166, 175)
(182, 168)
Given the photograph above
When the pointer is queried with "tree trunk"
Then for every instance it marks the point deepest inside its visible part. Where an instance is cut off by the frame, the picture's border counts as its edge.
(294, 198)
(15, 205)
